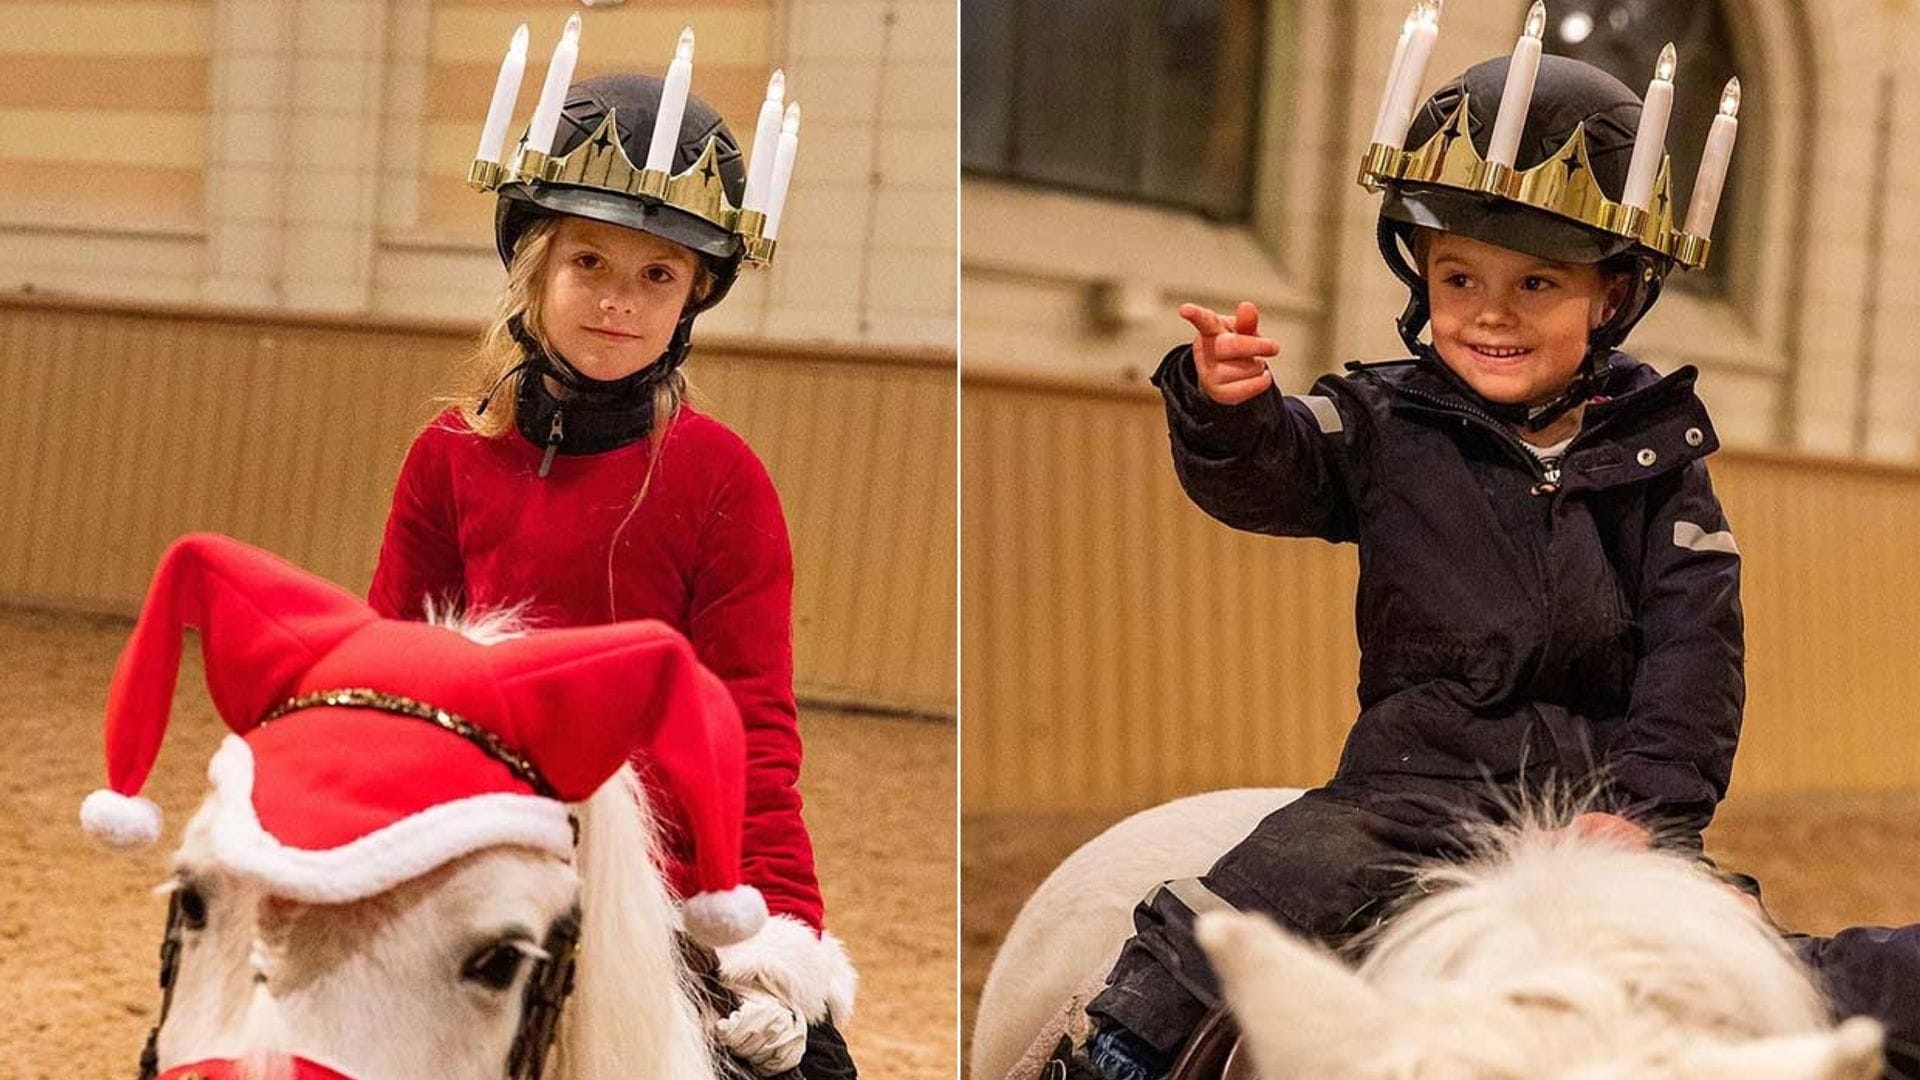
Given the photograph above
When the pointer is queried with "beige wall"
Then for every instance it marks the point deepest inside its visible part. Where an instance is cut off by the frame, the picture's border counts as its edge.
(122, 429)
(1811, 349)
(310, 155)
(1123, 648)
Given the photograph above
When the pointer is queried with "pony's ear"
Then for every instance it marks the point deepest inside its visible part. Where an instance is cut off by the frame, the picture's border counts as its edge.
(1301, 1011)
(1851, 1051)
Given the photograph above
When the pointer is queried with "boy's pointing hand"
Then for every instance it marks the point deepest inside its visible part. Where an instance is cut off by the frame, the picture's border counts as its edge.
(1229, 356)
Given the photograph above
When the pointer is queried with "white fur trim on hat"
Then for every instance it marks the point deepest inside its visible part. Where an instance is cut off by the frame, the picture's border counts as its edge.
(788, 960)
(122, 821)
(378, 861)
(722, 918)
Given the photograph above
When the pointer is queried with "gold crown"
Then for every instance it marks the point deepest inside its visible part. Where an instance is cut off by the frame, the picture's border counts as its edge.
(1563, 184)
(602, 163)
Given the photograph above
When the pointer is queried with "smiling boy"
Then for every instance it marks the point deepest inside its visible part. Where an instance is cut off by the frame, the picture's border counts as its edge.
(1548, 592)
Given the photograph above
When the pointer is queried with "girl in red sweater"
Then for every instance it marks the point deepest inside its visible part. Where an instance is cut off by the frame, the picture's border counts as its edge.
(572, 480)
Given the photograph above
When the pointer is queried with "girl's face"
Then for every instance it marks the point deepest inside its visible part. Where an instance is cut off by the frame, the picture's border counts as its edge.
(1512, 326)
(611, 296)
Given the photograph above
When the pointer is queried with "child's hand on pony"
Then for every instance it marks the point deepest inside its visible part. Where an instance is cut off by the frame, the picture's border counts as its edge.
(1611, 827)
(1229, 356)
(1619, 830)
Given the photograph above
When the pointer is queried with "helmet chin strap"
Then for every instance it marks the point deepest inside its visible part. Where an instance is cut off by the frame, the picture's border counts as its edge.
(1601, 341)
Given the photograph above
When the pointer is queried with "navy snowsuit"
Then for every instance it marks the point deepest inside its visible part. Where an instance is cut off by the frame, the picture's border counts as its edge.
(1517, 623)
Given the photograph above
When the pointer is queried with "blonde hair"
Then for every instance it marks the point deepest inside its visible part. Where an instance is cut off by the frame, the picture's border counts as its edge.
(488, 374)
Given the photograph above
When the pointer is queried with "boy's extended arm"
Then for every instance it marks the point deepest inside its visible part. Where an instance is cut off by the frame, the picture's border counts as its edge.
(1269, 464)
(1671, 766)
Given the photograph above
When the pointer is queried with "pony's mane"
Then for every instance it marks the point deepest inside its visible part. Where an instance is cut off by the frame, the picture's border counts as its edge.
(1557, 937)
(628, 952)
(487, 626)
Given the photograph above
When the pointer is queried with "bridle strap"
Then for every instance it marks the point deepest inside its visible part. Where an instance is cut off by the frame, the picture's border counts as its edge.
(169, 967)
(548, 986)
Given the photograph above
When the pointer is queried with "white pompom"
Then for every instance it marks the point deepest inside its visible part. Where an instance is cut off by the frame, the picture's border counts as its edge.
(722, 918)
(118, 820)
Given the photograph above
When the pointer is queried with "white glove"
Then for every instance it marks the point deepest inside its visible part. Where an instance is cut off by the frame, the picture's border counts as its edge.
(768, 1033)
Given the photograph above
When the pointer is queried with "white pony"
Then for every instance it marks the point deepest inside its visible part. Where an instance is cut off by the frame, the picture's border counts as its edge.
(1547, 954)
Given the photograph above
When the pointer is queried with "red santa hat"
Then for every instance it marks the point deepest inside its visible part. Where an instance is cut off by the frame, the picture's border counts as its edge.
(366, 751)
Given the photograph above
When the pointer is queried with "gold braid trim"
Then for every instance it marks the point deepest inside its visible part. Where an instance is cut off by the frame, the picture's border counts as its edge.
(365, 698)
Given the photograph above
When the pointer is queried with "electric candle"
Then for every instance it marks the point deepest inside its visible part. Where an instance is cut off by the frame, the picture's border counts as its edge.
(1518, 93)
(783, 169)
(1712, 176)
(1413, 70)
(673, 106)
(1393, 73)
(1650, 142)
(766, 135)
(506, 91)
(553, 93)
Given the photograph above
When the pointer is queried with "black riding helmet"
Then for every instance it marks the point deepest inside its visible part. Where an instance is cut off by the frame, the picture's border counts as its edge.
(1567, 94)
(635, 101)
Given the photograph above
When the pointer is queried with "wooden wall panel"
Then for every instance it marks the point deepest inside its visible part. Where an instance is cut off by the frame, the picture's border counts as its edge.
(103, 113)
(1121, 648)
(121, 430)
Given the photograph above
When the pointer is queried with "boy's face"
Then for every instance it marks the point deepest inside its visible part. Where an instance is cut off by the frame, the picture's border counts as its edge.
(611, 296)
(1513, 326)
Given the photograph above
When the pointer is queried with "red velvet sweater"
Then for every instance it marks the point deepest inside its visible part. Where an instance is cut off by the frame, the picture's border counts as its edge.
(706, 552)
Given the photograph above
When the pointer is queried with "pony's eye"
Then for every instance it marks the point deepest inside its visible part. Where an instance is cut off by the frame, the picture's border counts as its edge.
(193, 906)
(494, 966)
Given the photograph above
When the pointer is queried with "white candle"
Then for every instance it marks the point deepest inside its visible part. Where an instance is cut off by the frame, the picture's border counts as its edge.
(1713, 163)
(1405, 94)
(1650, 141)
(783, 169)
(506, 91)
(553, 93)
(766, 134)
(673, 106)
(1517, 95)
(1393, 73)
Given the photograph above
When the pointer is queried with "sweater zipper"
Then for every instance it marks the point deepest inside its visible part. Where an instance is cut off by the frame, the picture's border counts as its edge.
(554, 434)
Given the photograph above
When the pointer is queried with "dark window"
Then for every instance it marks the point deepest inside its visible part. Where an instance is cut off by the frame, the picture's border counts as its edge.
(1155, 101)
(1624, 38)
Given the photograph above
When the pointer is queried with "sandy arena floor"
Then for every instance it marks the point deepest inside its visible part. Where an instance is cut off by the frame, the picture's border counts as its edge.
(1824, 862)
(79, 930)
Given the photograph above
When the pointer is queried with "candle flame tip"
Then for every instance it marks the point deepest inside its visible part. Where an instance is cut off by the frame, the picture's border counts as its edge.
(1730, 98)
(1537, 20)
(777, 85)
(791, 122)
(572, 32)
(520, 36)
(1669, 60)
